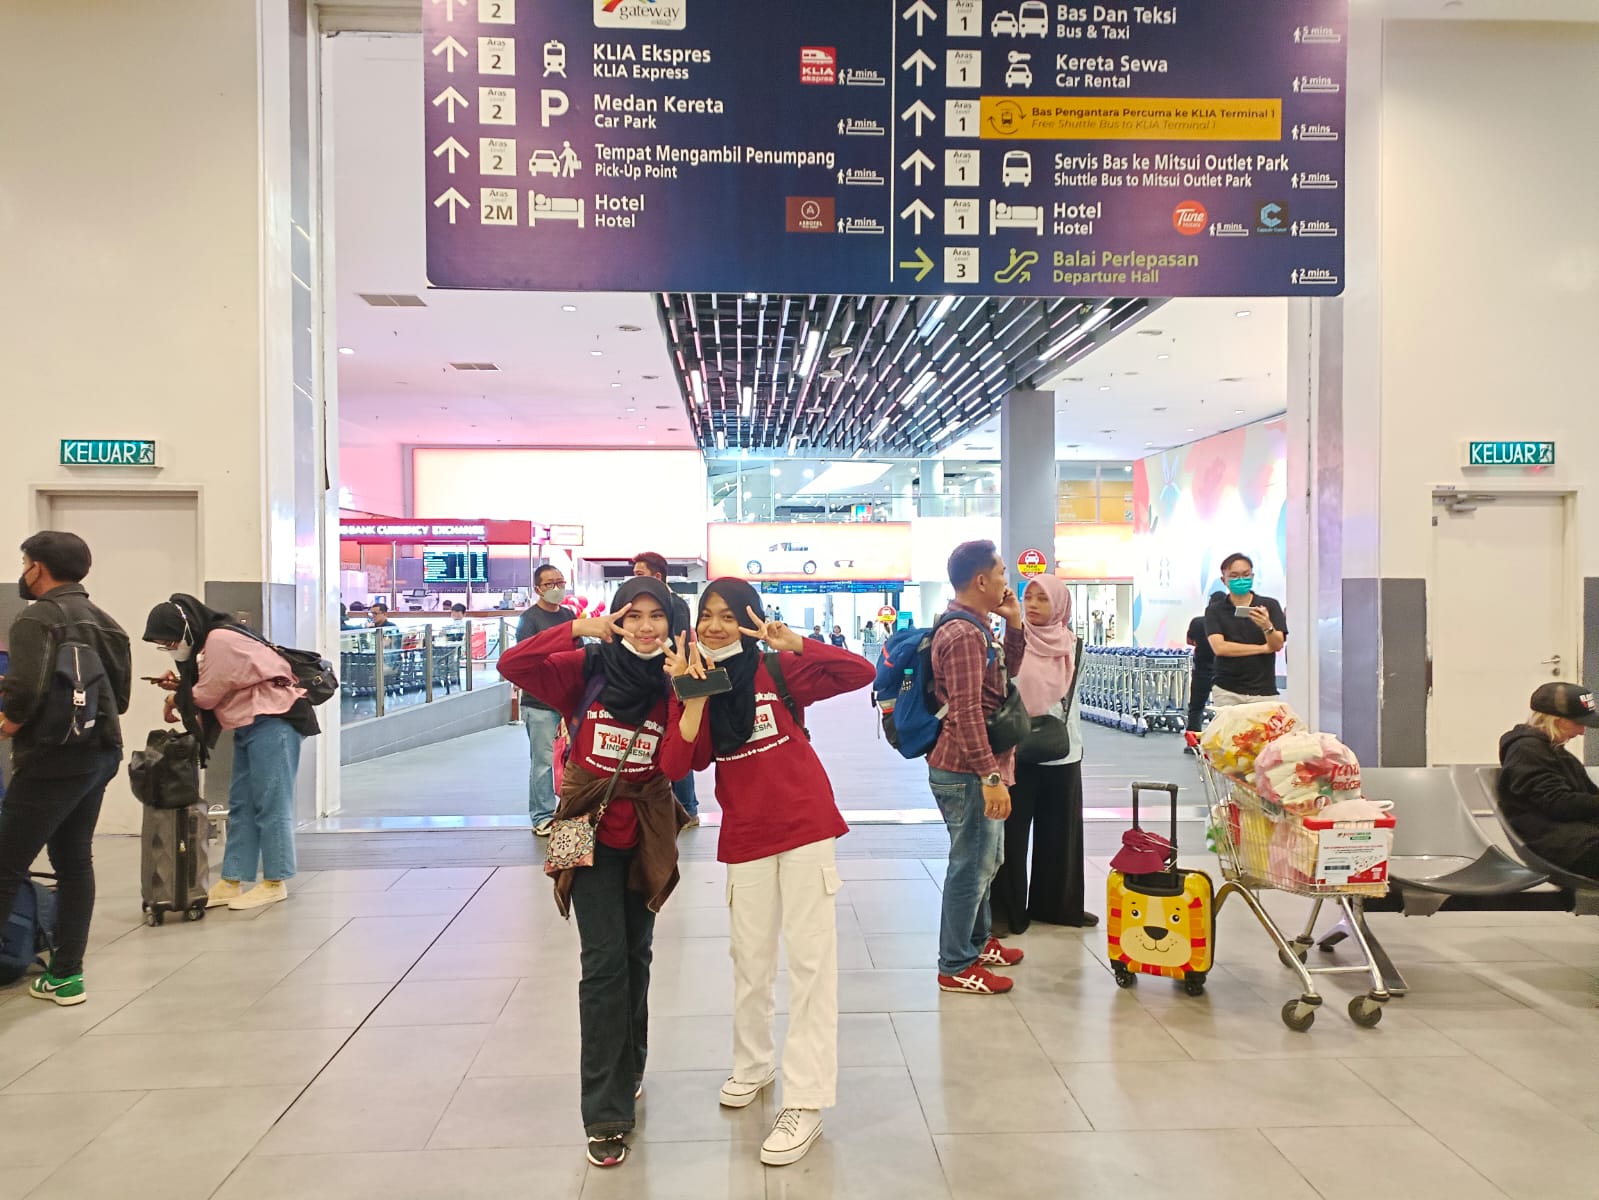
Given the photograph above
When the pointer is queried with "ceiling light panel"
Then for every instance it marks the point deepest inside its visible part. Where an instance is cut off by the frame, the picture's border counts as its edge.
(759, 374)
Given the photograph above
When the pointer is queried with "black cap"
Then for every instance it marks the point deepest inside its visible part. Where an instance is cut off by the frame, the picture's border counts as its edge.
(1569, 700)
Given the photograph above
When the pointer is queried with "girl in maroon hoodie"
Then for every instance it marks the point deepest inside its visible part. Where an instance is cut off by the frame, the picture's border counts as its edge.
(614, 698)
(779, 822)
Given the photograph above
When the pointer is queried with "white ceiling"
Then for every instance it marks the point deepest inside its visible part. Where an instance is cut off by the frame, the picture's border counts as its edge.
(1124, 401)
(398, 386)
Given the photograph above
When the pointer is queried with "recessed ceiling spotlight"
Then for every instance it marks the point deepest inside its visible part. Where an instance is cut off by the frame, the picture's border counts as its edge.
(1190, 429)
(1238, 412)
(1150, 332)
(830, 374)
(346, 349)
(1161, 408)
(1231, 379)
(596, 353)
(616, 385)
(1104, 387)
(1242, 312)
(1160, 357)
(1129, 372)
(629, 328)
(638, 427)
(841, 352)
(568, 308)
(632, 410)
(1107, 432)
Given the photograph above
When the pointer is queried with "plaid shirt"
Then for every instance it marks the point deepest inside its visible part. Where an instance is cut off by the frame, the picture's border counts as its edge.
(973, 688)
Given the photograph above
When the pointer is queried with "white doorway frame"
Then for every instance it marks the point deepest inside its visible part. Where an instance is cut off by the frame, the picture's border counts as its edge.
(1571, 618)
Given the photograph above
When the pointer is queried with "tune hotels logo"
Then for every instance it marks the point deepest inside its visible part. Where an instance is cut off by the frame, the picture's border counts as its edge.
(819, 64)
(1190, 218)
(640, 14)
(811, 214)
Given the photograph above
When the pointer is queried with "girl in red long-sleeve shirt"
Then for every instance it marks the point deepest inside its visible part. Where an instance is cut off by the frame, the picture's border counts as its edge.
(779, 823)
(614, 698)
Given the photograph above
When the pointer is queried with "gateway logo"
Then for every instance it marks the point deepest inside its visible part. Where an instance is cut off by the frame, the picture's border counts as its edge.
(640, 14)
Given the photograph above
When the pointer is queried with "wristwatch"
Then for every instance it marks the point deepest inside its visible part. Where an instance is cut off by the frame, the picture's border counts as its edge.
(992, 780)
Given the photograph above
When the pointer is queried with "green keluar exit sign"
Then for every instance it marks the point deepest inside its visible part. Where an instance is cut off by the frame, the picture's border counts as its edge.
(1510, 454)
(107, 452)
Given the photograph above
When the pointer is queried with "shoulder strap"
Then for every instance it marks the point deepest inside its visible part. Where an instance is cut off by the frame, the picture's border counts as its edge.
(593, 688)
(1077, 676)
(774, 668)
(610, 788)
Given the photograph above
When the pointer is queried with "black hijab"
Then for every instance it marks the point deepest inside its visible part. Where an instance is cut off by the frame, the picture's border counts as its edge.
(733, 712)
(633, 685)
(184, 619)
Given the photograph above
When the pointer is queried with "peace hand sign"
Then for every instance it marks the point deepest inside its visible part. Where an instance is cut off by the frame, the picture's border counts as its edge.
(607, 629)
(775, 634)
(684, 658)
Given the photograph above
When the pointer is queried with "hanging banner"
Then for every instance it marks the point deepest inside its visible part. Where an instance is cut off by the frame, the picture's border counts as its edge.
(1193, 148)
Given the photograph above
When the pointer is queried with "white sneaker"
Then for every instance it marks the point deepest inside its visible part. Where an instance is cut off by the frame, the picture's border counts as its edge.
(269, 891)
(222, 892)
(543, 828)
(742, 1095)
(794, 1132)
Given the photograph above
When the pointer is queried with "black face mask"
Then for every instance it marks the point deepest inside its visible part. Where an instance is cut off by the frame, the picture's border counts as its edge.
(22, 587)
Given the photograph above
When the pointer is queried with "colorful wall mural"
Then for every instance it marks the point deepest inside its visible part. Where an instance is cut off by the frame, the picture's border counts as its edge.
(1193, 506)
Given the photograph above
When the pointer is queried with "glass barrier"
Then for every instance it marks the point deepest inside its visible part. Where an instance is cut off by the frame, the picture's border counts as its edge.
(416, 660)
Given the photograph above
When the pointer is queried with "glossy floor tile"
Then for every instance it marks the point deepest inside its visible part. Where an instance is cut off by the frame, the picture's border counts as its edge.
(409, 1028)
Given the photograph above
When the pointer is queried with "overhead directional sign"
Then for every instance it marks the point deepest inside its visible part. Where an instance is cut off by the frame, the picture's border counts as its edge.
(1510, 454)
(107, 452)
(985, 147)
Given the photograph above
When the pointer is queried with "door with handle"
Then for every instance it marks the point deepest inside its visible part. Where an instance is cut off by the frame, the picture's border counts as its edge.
(1501, 612)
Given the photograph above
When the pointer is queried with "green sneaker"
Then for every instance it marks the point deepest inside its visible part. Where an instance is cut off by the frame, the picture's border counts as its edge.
(63, 991)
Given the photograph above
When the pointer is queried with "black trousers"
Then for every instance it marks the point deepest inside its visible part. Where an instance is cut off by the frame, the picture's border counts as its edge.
(617, 932)
(1046, 807)
(1198, 696)
(47, 809)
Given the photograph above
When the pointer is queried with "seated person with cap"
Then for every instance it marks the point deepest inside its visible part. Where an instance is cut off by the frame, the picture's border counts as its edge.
(1544, 792)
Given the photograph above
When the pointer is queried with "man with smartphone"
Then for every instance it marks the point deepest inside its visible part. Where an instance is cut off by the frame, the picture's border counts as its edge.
(1246, 631)
(971, 677)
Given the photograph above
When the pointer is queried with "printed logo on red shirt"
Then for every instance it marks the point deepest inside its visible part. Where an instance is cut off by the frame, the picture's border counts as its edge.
(610, 743)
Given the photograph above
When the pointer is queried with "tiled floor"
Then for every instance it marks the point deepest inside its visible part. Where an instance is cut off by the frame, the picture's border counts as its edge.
(405, 1033)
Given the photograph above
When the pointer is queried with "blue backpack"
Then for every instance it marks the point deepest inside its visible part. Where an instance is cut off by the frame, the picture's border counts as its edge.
(903, 689)
(29, 932)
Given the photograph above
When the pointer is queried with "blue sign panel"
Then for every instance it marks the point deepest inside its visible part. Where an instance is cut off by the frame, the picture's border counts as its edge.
(107, 452)
(1510, 454)
(989, 147)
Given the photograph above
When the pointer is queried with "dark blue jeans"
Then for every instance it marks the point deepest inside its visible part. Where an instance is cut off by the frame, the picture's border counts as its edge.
(976, 850)
(617, 930)
(683, 789)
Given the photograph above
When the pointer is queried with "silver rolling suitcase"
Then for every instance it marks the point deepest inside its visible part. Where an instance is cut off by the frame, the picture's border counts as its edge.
(175, 862)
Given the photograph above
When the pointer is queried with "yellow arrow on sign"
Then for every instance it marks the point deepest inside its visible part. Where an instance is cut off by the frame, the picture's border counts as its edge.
(921, 263)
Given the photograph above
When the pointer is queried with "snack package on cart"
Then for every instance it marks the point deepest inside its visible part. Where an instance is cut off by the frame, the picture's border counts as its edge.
(1234, 740)
(1304, 772)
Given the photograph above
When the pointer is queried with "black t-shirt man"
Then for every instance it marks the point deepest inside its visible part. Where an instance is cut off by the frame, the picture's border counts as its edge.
(534, 622)
(1236, 622)
(1199, 639)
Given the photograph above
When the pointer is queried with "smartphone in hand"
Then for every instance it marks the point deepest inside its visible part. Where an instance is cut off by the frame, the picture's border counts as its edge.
(716, 682)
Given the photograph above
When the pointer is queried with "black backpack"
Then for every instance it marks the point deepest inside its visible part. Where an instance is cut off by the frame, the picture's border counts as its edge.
(310, 670)
(75, 690)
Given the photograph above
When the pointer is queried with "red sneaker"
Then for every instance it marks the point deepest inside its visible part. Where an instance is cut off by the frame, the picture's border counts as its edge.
(996, 955)
(977, 981)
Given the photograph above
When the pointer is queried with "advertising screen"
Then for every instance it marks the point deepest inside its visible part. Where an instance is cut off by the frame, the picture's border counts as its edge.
(455, 566)
(862, 551)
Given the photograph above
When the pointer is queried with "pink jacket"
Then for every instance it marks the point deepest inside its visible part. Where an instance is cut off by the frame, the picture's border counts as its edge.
(242, 679)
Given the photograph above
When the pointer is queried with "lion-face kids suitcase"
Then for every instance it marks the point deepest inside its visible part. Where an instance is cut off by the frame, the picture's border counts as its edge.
(1161, 922)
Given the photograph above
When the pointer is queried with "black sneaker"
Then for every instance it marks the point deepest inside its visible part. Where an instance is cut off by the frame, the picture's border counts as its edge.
(608, 1151)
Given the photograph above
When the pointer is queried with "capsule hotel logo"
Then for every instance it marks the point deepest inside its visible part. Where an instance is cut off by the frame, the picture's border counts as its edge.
(640, 14)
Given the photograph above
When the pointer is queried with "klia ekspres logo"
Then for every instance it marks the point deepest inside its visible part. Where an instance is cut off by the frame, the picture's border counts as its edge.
(640, 14)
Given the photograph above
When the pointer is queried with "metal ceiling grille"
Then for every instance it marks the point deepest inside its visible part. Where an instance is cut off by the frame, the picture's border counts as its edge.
(881, 375)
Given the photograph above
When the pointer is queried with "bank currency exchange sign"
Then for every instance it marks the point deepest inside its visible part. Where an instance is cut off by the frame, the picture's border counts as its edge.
(990, 147)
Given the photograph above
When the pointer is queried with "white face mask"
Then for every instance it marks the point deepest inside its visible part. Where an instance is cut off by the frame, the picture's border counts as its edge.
(553, 595)
(722, 655)
(637, 653)
(181, 652)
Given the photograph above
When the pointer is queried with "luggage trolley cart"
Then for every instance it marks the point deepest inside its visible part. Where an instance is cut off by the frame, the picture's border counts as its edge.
(1262, 847)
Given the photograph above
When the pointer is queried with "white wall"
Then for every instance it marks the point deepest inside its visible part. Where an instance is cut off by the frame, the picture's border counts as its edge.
(371, 479)
(1489, 262)
(129, 217)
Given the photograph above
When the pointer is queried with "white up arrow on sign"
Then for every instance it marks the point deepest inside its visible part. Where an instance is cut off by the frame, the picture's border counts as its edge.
(919, 61)
(919, 111)
(917, 162)
(449, 47)
(453, 148)
(449, 9)
(918, 212)
(921, 11)
(455, 200)
(450, 98)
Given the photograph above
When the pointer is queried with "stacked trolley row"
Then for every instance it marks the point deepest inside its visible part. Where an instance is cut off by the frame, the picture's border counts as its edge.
(1136, 688)
(1262, 847)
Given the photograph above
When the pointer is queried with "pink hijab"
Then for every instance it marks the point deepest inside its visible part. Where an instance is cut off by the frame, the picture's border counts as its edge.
(1046, 672)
